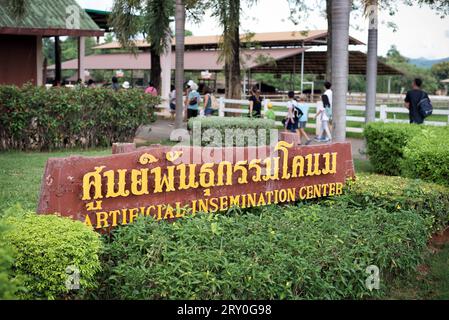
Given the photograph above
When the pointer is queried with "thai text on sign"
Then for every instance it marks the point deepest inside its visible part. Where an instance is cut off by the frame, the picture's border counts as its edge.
(169, 183)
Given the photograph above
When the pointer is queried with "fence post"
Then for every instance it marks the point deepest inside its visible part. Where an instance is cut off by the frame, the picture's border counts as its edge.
(221, 112)
(265, 105)
(383, 113)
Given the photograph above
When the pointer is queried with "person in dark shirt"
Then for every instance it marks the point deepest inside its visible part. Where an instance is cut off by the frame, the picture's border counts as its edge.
(255, 103)
(412, 100)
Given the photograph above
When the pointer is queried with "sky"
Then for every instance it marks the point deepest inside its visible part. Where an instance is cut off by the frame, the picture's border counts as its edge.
(421, 33)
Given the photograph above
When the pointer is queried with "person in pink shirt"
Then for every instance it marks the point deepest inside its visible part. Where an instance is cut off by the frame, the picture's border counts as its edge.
(151, 89)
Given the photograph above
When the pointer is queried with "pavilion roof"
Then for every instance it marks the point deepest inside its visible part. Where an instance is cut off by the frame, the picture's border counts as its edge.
(270, 39)
(48, 18)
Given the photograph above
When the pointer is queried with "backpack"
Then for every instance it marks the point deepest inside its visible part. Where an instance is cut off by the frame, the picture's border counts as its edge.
(425, 107)
(215, 103)
(297, 112)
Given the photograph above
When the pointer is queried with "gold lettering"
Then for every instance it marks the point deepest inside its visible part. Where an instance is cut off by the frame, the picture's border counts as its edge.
(92, 179)
(121, 184)
(139, 178)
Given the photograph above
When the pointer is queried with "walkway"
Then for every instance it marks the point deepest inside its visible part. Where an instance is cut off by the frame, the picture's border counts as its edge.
(159, 132)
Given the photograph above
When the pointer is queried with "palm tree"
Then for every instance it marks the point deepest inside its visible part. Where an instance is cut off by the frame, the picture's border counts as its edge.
(371, 7)
(340, 65)
(228, 14)
(180, 16)
(129, 18)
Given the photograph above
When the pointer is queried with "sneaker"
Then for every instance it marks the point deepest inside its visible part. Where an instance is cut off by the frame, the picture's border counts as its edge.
(308, 142)
(319, 139)
(326, 140)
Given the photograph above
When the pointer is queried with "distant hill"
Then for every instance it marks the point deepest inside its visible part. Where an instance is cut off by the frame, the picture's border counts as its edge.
(426, 63)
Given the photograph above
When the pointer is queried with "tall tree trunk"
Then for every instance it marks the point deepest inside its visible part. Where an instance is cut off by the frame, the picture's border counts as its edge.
(371, 68)
(58, 69)
(329, 40)
(234, 67)
(227, 75)
(179, 73)
(156, 70)
(340, 65)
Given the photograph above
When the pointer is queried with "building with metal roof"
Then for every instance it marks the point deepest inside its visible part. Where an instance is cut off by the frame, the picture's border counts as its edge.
(21, 58)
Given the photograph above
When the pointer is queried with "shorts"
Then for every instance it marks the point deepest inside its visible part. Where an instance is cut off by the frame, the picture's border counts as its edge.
(172, 107)
(302, 124)
(192, 113)
(208, 111)
(292, 126)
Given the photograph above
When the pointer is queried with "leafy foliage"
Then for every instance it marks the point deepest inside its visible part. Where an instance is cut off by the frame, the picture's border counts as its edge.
(306, 252)
(215, 131)
(426, 156)
(9, 284)
(386, 143)
(397, 193)
(37, 118)
(46, 245)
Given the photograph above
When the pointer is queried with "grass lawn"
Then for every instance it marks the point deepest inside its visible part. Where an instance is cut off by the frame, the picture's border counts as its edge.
(21, 174)
(20, 179)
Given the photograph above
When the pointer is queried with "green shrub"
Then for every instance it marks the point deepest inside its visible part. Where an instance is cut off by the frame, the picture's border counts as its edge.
(9, 283)
(386, 143)
(37, 118)
(426, 156)
(396, 194)
(233, 129)
(308, 252)
(46, 246)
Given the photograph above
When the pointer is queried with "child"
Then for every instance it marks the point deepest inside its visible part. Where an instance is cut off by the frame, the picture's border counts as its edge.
(303, 119)
(270, 113)
(323, 114)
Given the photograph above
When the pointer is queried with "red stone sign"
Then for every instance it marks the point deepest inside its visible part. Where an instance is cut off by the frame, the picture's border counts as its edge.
(172, 182)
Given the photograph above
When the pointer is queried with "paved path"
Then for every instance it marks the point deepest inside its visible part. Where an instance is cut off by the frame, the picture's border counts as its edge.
(161, 130)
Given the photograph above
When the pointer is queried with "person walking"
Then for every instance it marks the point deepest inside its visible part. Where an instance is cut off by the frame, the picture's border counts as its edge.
(255, 103)
(303, 119)
(292, 119)
(172, 101)
(413, 99)
(208, 110)
(323, 115)
(194, 99)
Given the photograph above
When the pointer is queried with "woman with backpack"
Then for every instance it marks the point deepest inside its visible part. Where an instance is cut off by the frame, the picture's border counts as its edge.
(208, 110)
(291, 122)
(194, 99)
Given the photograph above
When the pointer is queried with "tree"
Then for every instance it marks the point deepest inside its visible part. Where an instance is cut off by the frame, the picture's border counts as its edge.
(151, 18)
(228, 14)
(371, 7)
(180, 17)
(340, 65)
(441, 70)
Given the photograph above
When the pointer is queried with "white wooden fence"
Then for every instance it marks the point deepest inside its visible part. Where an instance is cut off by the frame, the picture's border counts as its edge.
(383, 111)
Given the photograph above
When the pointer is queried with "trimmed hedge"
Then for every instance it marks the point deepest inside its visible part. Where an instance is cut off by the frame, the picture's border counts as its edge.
(307, 252)
(39, 118)
(396, 194)
(386, 143)
(426, 156)
(45, 246)
(233, 129)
